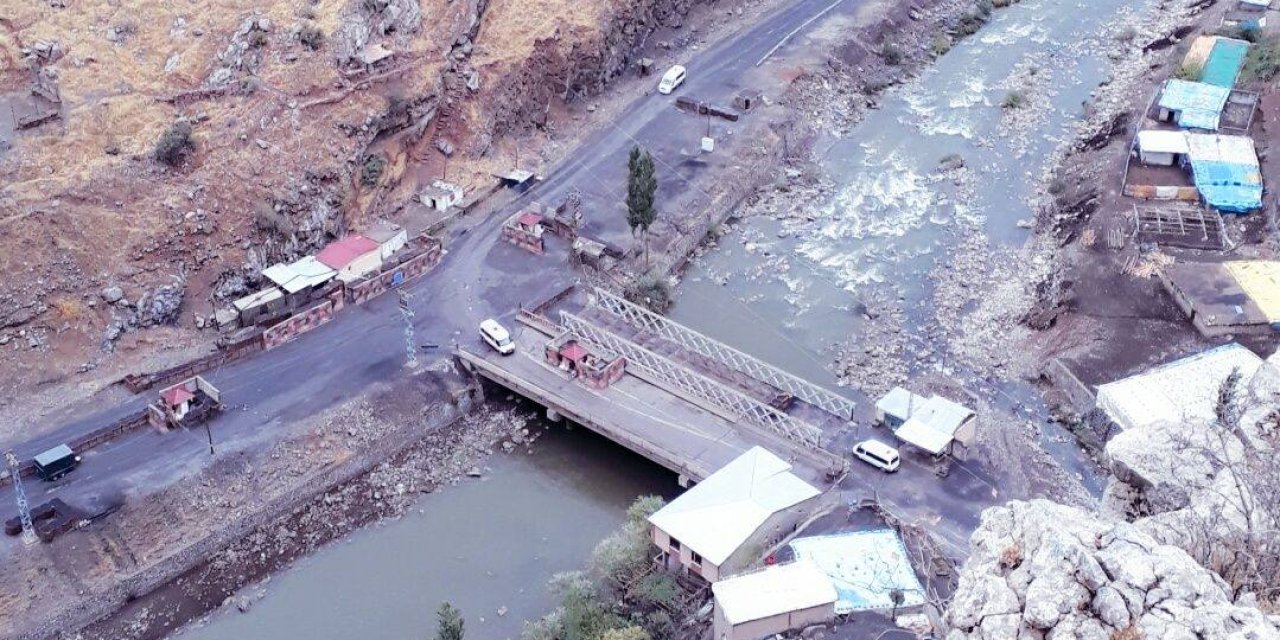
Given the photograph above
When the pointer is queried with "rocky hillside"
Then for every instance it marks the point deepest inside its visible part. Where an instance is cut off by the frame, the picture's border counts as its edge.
(1043, 570)
(186, 146)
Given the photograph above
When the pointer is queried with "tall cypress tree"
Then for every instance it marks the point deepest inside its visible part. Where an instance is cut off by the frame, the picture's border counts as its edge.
(642, 185)
(449, 623)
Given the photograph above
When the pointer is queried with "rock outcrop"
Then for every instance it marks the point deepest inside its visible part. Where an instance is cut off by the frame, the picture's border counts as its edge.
(1043, 570)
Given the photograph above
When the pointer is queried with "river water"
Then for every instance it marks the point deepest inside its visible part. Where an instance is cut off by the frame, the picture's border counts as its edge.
(482, 545)
(795, 288)
(494, 543)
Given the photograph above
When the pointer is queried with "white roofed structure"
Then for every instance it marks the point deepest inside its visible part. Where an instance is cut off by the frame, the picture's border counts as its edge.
(1184, 390)
(1155, 141)
(298, 275)
(718, 516)
(776, 599)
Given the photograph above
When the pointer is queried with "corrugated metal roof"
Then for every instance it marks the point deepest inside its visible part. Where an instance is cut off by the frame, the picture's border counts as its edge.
(1260, 280)
(1185, 390)
(340, 253)
(1199, 105)
(722, 512)
(255, 299)
(176, 395)
(920, 434)
(303, 273)
(774, 591)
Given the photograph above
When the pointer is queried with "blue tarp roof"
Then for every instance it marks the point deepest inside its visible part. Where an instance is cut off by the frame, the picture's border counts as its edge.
(1199, 105)
(1225, 60)
(1226, 172)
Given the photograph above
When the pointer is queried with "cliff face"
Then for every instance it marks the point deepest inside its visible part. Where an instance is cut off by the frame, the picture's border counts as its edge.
(1043, 570)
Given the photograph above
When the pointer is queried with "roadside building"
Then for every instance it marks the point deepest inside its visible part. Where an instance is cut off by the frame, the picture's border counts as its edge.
(773, 601)
(1221, 65)
(1192, 105)
(299, 279)
(1182, 391)
(259, 306)
(390, 237)
(1248, 14)
(721, 524)
(934, 424)
(352, 257)
(1223, 298)
(441, 195)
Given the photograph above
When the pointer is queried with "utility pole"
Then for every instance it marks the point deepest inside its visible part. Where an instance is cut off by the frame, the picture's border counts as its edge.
(24, 508)
(411, 350)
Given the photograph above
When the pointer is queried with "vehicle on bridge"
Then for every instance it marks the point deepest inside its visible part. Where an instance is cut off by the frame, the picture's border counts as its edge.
(56, 462)
(497, 336)
(674, 77)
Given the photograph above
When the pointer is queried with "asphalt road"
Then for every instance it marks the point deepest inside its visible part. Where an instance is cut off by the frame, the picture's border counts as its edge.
(480, 277)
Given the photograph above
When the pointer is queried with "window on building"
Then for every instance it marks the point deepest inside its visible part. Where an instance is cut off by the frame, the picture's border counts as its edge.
(675, 544)
(697, 559)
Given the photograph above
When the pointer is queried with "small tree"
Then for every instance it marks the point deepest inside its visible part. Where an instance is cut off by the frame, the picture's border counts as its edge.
(897, 597)
(449, 624)
(174, 144)
(642, 185)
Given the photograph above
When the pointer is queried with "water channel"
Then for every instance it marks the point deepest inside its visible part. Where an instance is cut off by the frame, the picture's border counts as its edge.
(494, 543)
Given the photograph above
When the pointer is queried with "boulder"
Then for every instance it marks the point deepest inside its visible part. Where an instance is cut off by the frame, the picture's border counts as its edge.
(1044, 570)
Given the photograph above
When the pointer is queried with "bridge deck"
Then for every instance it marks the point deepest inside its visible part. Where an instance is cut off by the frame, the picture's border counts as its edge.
(657, 424)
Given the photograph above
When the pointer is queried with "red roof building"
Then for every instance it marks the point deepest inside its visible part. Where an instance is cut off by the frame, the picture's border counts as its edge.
(573, 351)
(529, 218)
(175, 396)
(341, 253)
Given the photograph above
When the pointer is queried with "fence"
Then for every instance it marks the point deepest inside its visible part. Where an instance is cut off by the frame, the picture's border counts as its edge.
(297, 325)
(137, 383)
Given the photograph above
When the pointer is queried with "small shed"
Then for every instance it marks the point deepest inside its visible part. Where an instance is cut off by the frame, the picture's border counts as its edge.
(441, 195)
(934, 424)
(390, 237)
(352, 257)
(773, 601)
(1192, 105)
(597, 370)
(1163, 148)
(256, 306)
(178, 400)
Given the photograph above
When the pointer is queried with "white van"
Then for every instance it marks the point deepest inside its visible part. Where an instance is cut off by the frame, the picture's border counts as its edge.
(878, 455)
(497, 336)
(673, 78)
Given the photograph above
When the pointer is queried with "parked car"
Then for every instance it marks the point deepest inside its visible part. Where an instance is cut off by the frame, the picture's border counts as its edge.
(878, 455)
(56, 462)
(497, 336)
(673, 78)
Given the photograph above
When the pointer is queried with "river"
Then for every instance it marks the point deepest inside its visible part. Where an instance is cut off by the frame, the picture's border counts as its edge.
(482, 545)
(792, 295)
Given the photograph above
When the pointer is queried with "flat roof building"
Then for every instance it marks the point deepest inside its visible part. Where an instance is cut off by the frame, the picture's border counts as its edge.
(773, 601)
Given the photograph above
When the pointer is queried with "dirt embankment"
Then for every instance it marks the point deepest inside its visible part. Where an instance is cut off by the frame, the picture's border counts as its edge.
(167, 558)
(283, 113)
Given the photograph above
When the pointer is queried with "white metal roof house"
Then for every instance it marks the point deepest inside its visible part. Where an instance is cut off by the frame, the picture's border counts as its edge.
(297, 276)
(934, 424)
(1184, 390)
(773, 601)
(1163, 148)
(721, 524)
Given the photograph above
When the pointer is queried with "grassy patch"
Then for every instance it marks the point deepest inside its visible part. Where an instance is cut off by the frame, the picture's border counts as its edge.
(372, 170)
(1262, 62)
(941, 44)
(1013, 100)
(1190, 71)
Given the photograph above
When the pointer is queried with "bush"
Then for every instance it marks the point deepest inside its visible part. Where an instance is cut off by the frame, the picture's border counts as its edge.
(1056, 186)
(985, 7)
(970, 23)
(374, 165)
(653, 293)
(1013, 100)
(1238, 32)
(1262, 62)
(311, 37)
(1000, 4)
(174, 144)
(892, 54)
(941, 44)
(257, 39)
